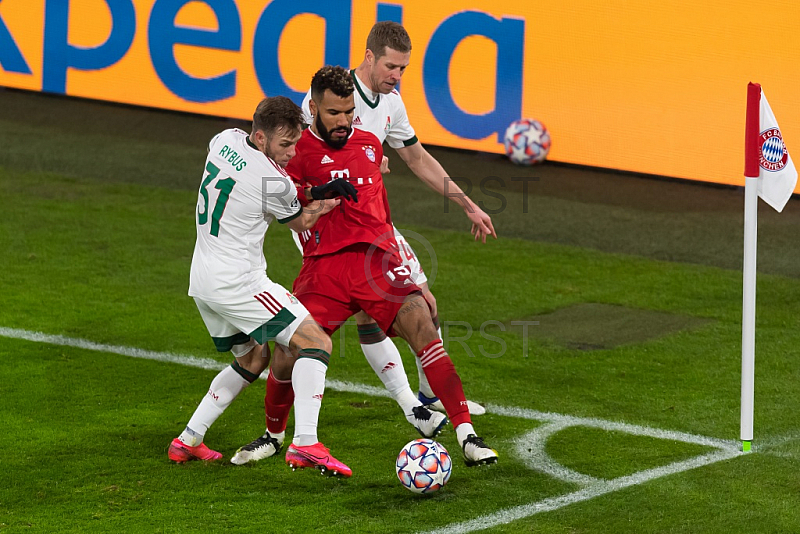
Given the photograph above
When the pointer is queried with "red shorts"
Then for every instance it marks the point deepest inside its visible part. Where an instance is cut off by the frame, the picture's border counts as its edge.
(335, 286)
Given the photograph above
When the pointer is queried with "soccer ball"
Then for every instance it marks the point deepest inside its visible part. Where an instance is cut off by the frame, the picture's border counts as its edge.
(423, 466)
(527, 142)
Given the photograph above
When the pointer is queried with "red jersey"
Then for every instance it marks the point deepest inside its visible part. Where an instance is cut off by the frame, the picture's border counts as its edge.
(365, 221)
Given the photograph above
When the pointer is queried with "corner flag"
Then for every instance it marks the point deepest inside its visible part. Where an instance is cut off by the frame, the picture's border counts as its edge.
(765, 152)
(769, 174)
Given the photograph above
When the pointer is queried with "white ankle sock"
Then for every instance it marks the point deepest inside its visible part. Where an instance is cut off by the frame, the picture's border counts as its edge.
(280, 436)
(225, 387)
(462, 431)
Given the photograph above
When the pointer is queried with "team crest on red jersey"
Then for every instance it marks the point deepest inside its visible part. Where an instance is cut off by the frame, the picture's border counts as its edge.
(370, 153)
(772, 154)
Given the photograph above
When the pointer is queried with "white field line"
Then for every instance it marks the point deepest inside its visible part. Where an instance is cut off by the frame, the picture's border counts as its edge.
(569, 420)
(590, 492)
(536, 458)
(191, 361)
(181, 359)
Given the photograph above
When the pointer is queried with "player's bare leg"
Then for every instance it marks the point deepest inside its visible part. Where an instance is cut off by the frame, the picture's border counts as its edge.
(225, 387)
(413, 323)
(385, 360)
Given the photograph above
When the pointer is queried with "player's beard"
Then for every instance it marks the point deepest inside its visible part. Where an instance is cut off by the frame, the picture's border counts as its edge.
(326, 134)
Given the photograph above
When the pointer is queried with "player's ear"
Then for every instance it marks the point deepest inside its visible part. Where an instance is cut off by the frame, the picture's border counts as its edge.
(312, 107)
(369, 57)
(260, 139)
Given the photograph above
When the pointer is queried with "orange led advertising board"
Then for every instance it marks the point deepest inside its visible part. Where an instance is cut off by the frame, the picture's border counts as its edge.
(651, 87)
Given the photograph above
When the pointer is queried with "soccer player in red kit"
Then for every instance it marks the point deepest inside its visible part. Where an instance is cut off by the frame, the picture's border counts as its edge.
(351, 260)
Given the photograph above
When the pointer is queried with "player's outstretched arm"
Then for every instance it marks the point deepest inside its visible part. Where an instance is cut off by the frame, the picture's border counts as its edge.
(311, 214)
(433, 174)
(321, 199)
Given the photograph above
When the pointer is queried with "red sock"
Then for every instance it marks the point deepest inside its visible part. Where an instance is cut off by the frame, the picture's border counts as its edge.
(444, 381)
(278, 401)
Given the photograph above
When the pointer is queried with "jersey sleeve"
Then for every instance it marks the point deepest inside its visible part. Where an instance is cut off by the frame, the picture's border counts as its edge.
(213, 140)
(307, 108)
(401, 134)
(280, 199)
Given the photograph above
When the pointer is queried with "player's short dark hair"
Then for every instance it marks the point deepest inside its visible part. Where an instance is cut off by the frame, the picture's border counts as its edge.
(275, 112)
(336, 79)
(388, 34)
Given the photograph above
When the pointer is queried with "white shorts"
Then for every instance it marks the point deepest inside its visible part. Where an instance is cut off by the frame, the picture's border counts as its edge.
(410, 259)
(272, 314)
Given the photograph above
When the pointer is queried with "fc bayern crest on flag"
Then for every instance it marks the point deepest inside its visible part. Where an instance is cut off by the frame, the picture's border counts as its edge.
(773, 155)
(370, 153)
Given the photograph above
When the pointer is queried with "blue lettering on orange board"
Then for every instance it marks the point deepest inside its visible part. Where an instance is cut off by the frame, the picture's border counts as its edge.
(266, 41)
(509, 36)
(394, 13)
(59, 55)
(391, 12)
(163, 35)
(11, 58)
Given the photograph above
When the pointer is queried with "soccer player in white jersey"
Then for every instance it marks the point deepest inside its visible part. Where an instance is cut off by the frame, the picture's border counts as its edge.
(380, 110)
(244, 189)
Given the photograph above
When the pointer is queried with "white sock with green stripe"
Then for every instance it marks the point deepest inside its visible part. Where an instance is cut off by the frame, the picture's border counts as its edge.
(225, 387)
(308, 382)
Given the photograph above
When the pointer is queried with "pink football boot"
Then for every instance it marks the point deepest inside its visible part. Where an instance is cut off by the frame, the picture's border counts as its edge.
(317, 456)
(180, 452)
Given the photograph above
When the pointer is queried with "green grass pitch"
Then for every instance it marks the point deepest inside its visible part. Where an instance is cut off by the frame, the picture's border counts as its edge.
(639, 311)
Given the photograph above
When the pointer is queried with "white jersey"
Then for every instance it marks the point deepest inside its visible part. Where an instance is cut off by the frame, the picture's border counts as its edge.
(242, 192)
(382, 115)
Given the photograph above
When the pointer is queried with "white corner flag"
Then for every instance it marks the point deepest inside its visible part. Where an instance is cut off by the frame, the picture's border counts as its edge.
(777, 176)
(769, 174)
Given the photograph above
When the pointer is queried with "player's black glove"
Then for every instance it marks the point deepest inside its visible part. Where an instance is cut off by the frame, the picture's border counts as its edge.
(337, 188)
